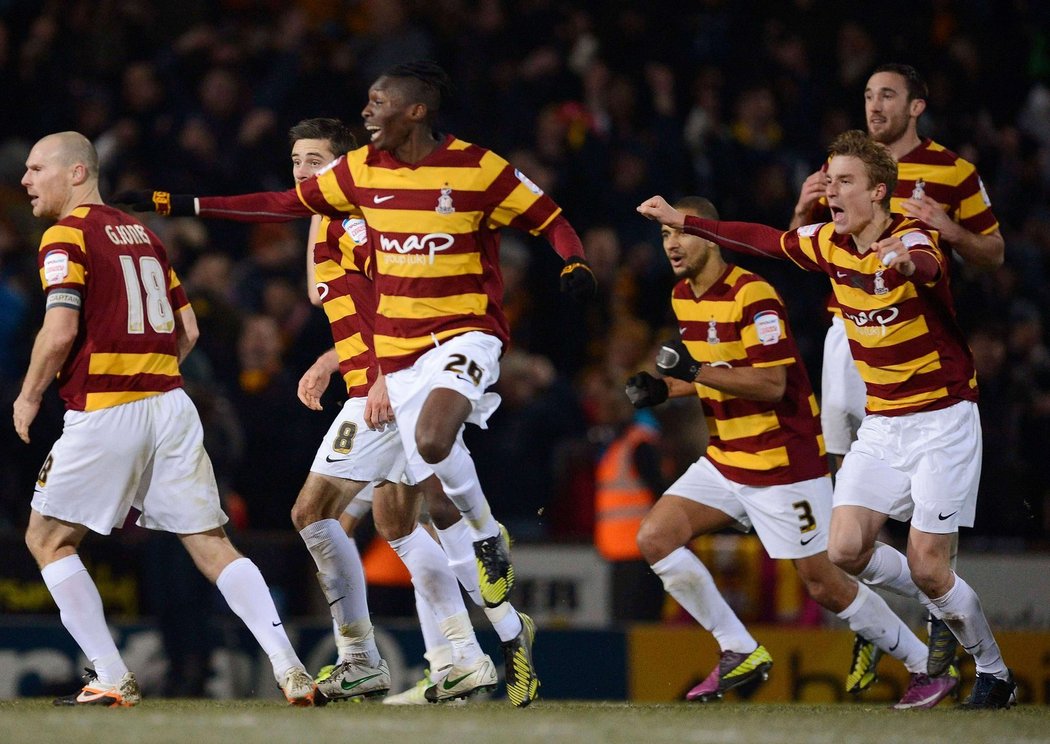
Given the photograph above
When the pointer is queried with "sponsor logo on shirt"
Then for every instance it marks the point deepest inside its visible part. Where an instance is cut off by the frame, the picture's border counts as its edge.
(767, 324)
(528, 183)
(419, 248)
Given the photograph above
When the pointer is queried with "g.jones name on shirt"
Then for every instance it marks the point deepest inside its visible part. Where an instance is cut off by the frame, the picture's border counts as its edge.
(127, 234)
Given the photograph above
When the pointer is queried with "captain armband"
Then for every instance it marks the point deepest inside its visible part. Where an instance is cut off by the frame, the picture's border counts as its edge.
(63, 298)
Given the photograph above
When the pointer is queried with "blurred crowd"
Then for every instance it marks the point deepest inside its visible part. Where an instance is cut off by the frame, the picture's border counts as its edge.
(602, 104)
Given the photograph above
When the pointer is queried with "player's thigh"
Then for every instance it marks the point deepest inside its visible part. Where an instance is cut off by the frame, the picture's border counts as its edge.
(700, 501)
(179, 493)
(350, 450)
(947, 472)
(793, 520)
(95, 469)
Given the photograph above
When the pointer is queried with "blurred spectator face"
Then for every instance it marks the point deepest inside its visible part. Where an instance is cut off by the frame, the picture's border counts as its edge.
(602, 248)
(280, 299)
(220, 93)
(989, 352)
(628, 346)
(887, 109)
(211, 273)
(259, 347)
(141, 90)
(309, 156)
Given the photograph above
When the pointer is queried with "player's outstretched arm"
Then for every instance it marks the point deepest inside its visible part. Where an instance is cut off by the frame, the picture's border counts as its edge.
(263, 206)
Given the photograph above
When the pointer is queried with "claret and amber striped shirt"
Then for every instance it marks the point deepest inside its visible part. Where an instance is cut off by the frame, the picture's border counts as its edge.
(126, 348)
(740, 321)
(433, 229)
(903, 336)
(341, 267)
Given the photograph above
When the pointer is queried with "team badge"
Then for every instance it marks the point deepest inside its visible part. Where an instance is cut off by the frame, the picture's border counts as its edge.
(712, 332)
(767, 324)
(880, 283)
(445, 201)
(56, 267)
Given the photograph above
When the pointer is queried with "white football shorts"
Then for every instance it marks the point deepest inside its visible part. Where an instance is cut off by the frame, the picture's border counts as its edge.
(468, 364)
(148, 454)
(924, 466)
(843, 395)
(791, 520)
(352, 451)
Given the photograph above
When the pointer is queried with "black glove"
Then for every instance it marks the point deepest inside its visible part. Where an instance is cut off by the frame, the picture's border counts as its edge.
(161, 202)
(644, 390)
(577, 279)
(674, 360)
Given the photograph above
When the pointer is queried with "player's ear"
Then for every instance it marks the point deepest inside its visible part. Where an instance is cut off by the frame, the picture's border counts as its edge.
(418, 112)
(916, 107)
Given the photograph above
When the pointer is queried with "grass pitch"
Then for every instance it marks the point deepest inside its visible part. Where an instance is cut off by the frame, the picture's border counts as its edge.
(240, 721)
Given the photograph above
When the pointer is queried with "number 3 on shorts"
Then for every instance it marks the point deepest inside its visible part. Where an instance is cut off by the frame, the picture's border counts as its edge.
(805, 516)
(459, 365)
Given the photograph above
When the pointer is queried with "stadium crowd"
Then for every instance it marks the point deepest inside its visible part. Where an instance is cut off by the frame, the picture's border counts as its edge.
(602, 105)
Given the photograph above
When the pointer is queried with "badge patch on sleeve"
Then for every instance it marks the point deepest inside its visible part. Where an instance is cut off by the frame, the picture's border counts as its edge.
(767, 324)
(56, 267)
(357, 229)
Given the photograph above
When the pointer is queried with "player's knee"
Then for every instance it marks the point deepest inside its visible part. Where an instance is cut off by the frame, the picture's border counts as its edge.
(653, 542)
(433, 447)
(846, 557)
(304, 512)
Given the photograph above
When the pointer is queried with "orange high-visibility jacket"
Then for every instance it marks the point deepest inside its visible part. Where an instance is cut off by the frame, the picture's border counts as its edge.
(622, 499)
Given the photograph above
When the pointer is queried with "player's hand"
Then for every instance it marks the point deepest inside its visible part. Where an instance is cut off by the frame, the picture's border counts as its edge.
(929, 211)
(378, 411)
(813, 190)
(656, 208)
(312, 385)
(577, 279)
(644, 390)
(25, 412)
(894, 255)
(674, 360)
(161, 202)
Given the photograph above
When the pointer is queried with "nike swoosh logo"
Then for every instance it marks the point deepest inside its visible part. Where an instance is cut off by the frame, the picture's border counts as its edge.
(381, 199)
(351, 685)
(897, 642)
(336, 600)
(807, 542)
(449, 684)
(942, 517)
(841, 274)
(87, 696)
(328, 458)
(276, 624)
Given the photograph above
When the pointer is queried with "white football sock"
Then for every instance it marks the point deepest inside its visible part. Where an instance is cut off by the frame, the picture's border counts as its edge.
(460, 634)
(80, 608)
(961, 610)
(687, 580)
(248, 596)
(342, 580)
(459, 478)
(431, 576)
(438, 649)
(869, 616)
(458, 543)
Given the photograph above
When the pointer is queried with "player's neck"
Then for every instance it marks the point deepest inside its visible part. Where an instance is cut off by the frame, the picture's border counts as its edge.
(417, 147)
(79, 197)
(871, 232)
(707, 276)
(901, 147)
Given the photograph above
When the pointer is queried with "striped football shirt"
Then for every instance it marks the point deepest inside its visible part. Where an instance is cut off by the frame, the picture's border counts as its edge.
(434, 233)
(740, 321)
(126, 349)
(341, 266)
(903, 337)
